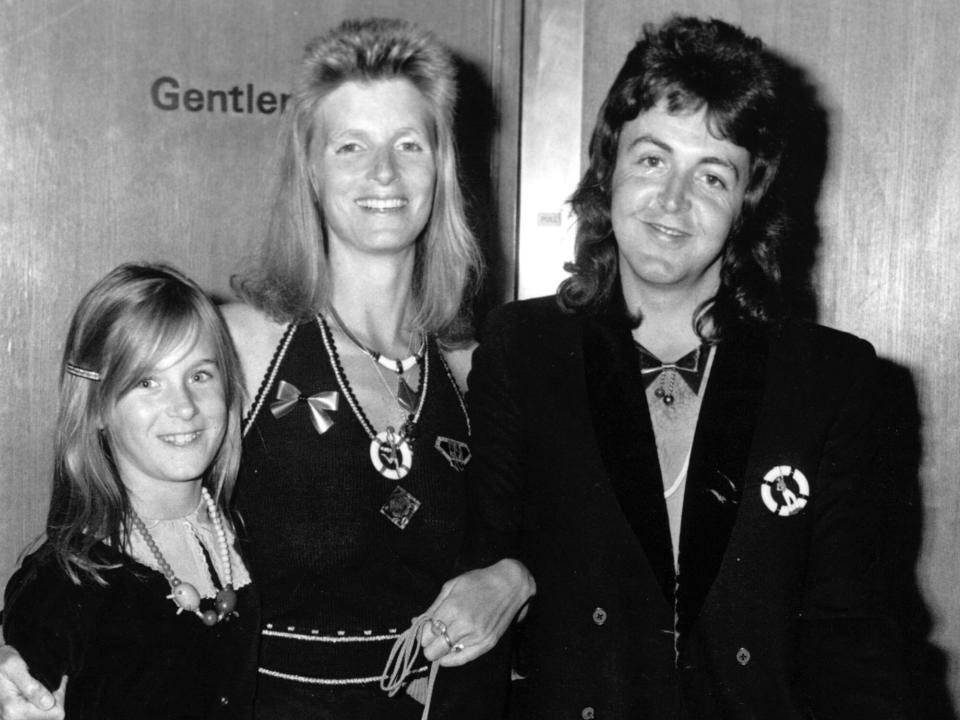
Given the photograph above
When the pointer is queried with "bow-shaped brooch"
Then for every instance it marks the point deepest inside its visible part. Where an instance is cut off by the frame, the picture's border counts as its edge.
(288, 396)
(690, 367)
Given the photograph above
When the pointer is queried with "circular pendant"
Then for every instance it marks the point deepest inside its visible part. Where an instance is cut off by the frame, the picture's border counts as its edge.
(391, 454)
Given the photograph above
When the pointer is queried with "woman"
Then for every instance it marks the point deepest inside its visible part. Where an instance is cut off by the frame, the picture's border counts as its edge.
(354, 345)
(355, 445)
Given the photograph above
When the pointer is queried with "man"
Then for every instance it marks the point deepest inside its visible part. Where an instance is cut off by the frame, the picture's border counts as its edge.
(688, 476)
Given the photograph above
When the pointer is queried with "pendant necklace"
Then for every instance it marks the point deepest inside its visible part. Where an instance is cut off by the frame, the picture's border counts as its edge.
(407, 402)
(184, 594)
(404, 394)
(391, 450)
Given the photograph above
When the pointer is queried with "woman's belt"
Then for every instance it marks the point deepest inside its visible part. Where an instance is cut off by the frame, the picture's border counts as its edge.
(345, 658)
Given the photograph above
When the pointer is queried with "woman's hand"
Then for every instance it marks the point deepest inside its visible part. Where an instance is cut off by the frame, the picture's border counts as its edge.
(21, 696)
(474, 610)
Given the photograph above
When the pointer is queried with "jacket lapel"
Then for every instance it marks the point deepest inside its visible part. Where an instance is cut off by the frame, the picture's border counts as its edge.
(718, 460)
(621, 423)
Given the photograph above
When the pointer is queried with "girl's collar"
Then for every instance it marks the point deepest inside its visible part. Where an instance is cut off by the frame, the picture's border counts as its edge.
(198, 513)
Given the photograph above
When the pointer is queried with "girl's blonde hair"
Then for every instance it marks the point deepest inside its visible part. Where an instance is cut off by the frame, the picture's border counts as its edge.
(121, 329)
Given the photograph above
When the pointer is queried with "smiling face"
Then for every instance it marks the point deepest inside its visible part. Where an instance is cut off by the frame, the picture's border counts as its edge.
(677, 191)
(374, 165)
(168, 427)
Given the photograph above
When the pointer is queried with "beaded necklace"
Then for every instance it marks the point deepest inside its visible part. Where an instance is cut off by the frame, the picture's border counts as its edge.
(184, 594)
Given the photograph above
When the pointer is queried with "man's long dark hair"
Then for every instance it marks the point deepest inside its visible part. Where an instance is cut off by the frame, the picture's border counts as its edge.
(689, 64)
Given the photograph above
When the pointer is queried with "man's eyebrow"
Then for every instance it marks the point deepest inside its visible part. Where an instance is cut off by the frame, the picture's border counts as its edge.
(711, 160)
(653, 140)
(708, 160)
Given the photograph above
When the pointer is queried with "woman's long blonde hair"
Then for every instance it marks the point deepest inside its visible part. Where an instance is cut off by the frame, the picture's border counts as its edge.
(290, 278)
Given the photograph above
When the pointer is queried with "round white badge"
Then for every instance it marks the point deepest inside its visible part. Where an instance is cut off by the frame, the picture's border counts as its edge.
(391, 455)
(785, 490)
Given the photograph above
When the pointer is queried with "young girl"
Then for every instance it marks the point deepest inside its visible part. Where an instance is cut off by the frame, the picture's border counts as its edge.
(138, 595)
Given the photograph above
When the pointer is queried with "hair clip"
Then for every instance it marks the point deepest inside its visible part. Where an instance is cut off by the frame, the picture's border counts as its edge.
(81, 372)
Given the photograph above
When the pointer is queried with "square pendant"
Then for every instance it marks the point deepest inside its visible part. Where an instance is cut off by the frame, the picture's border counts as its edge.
(400, 507)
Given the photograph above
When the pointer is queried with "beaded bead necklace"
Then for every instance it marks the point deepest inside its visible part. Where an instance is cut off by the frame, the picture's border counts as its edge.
(184, 594)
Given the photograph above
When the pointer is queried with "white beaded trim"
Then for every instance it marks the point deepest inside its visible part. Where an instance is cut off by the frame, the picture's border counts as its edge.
(456, 390)
(320, 681)
(330, 681)
(329, 638)
(268, 383)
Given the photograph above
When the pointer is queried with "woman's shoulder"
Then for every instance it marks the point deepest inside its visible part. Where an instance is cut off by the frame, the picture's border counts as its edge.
(459, 360)
(256, 336)
(248, 323)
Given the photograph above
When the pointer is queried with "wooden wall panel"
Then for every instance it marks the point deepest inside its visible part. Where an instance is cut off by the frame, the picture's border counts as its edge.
(552, 58)
(889, 217)
(93, 173)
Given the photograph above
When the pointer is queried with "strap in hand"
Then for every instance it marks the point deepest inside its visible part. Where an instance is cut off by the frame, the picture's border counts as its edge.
(403, 659)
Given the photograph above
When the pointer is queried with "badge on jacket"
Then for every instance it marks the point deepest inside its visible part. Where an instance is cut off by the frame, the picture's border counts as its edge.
(785, 490)
(457, 453)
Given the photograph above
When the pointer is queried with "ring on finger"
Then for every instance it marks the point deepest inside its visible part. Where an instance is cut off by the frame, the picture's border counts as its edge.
(447, 640)
(439, 627)
(457, 648)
